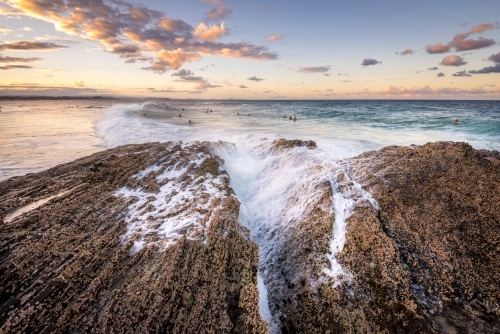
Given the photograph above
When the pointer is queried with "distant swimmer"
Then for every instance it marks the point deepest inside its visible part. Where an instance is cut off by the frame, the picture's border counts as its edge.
(144, 114)
(190, 122)
(210, 110)
(290, 118)
(248, 114)
(294, 118)
(182, 109)
(179, 115)
(238, 113)
(455, 120)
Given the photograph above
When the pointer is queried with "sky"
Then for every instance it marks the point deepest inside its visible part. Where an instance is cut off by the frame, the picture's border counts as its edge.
(221, 49)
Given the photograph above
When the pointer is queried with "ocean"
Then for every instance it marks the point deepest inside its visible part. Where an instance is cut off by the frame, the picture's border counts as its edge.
(35, 135)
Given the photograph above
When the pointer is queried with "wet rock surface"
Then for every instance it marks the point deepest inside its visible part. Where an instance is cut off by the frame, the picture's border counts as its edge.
(433, 247)
(65, 266)
(281, 144)
(425, 259)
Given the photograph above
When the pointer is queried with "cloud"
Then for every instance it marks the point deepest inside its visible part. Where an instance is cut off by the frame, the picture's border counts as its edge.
(213, 2)
(462, 42)
(209, 34)
(461, 74)
(218, 13)
(427, 90)
(482, 28)
(487, 70)
(188, 76)
(115, 23)
(407, 52)
(6, 59)
(437, 48)
(453, 61)
(13, 67)
(433, 68)
(369, 62)
(172, 59)
(78, 83)
(242, 86)
(346, 81)
(203, 85)
(495, 58)
(254, 78)
(35, 89)
(27, 29)
(154, 90)
(56, 39)
(440, 74)
(126, 49)
(5, 29)
(317, 69)
(274, 37)
(490, 69)
(471, 44)
(30, 45)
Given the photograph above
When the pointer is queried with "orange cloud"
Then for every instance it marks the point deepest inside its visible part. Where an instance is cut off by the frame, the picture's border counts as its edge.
(482, 27)
(274, 38)
(462, 42)
(437, 48)
(453, 61)
(209, 34)
(118, 24)
(172, 59)
(407, 52)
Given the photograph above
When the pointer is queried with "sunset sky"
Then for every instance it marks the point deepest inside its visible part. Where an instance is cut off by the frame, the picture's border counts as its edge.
(358, 49)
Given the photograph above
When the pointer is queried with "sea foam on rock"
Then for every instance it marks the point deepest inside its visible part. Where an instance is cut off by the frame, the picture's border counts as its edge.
(66, 266)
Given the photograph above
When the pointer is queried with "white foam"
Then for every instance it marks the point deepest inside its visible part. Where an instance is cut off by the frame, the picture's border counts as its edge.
(177, 210)
(347, 195)
(264, 310)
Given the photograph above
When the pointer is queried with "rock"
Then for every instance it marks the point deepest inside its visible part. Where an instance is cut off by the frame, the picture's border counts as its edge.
(67, 265)
(439, 221)
(281, 144)
(423, 260)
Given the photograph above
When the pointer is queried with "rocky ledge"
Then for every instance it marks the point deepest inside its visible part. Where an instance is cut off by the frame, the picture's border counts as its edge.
(79, 262)
(146, 238)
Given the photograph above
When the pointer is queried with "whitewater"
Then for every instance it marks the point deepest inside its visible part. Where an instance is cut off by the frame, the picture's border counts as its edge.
(274, 187)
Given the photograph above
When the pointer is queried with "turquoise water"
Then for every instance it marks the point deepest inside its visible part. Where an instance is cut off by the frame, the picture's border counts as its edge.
(41, 134)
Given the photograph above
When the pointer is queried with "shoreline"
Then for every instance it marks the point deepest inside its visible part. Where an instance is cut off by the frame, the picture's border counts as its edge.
(409, 263)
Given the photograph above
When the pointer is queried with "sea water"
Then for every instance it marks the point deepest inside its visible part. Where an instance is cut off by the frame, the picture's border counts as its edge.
(35, 135)
(274, 188)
